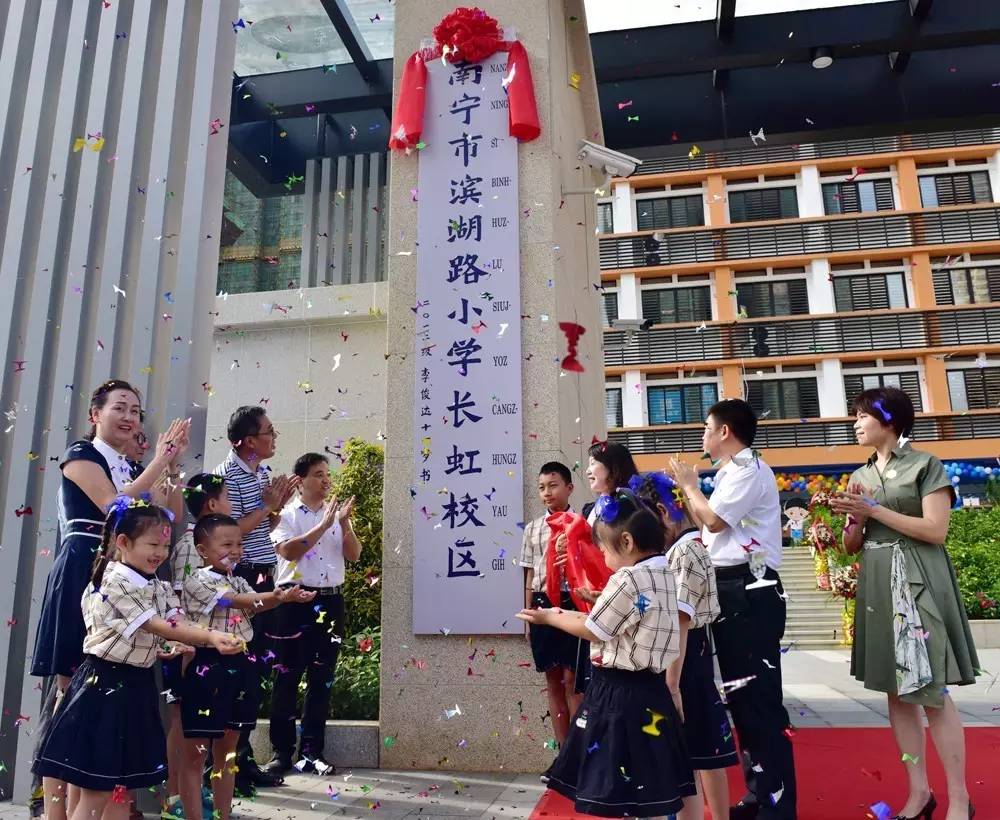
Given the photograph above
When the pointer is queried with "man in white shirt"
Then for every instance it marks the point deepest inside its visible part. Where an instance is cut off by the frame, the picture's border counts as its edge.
(741, 524)
(312, 539)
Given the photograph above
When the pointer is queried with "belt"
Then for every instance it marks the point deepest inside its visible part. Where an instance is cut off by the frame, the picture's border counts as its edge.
(741, 571)
(321, 592)
(267, 569)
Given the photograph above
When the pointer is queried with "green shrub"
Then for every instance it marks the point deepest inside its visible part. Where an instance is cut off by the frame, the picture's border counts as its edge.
(354, 695)
(974, 547)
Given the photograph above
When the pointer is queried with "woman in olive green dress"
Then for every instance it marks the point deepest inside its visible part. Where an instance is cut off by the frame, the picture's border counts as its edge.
(912, 637)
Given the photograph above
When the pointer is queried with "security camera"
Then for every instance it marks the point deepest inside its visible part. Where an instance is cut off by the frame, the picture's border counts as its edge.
(603, 159)
(631, 327)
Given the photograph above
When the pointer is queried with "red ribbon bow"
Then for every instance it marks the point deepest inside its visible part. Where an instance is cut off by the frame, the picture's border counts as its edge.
(573, 333)
(585, 566)
(468, 35)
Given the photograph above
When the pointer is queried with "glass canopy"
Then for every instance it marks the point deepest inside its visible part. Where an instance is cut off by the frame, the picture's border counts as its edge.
(294, 34)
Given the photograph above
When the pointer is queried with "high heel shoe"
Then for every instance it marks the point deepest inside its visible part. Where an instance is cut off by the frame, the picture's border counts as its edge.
(926, 813)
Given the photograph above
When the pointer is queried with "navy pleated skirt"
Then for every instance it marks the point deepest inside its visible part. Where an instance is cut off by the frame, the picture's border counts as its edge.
(626, 754)
(706, 722)
(59, 639)
(107, 730)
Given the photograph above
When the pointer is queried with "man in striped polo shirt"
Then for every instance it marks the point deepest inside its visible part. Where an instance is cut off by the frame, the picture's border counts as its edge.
(257, 501)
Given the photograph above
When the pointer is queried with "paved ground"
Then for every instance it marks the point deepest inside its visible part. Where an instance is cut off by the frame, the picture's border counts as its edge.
(388, 795)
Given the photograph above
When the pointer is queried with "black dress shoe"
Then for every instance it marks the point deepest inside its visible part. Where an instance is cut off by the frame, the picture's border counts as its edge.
(743, 811)
(273, 772)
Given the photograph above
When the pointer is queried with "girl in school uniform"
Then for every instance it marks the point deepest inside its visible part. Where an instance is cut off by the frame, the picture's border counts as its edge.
(625, 754)
(706, 723)
(106, 738)
(94, 471)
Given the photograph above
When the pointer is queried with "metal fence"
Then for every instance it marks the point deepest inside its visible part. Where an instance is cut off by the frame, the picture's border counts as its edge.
(816, 237)
(802, 152)
(807, 433)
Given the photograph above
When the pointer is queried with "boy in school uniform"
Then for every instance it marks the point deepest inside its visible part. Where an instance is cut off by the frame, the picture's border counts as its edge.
(220, 692)
(204, 494)
(557, 654)
(313, 538)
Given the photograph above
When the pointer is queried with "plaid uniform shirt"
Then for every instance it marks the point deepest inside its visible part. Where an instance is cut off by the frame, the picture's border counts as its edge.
(203, 596)
(696, 591)
(635, 619)
(115, 612)
(185, 558)
(533, 546)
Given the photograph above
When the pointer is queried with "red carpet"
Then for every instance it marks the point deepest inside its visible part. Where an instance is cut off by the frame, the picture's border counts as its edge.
(841, 772)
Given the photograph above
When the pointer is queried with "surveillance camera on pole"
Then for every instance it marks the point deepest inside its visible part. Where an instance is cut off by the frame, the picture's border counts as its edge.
(606, 162)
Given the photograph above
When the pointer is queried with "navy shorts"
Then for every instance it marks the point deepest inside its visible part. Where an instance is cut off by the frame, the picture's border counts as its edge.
(218, 692)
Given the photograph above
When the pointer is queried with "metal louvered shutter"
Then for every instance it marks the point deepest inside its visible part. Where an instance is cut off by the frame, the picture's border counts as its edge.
(609, 308)
(763, 204)
(672, 305)
(908, 382)
(962, 189)
(943, 294)
(786, 298)
(613, 407)
(784, 398)
(605, 218)
(669, 212)
(982, 387)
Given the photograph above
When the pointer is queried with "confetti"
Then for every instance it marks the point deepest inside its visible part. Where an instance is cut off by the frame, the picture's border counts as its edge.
(758, 136)
(652, 728)
(574, 80)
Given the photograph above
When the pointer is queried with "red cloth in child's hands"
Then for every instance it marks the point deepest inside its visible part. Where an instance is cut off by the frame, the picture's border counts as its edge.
(584, 566)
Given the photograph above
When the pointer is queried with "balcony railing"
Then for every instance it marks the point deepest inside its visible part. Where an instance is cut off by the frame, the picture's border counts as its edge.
(804, 335)
(813, 237)
(807, 433)
(767, 154)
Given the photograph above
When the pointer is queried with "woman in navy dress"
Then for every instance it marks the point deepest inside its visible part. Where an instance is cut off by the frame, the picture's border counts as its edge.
(93, 473)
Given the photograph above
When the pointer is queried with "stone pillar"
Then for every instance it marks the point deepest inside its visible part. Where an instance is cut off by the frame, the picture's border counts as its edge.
(422, 676)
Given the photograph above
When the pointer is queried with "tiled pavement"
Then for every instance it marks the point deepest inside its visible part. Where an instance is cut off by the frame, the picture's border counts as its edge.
(838, 700)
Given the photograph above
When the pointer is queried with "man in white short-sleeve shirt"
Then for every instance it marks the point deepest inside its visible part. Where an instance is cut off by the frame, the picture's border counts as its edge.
(741, 522)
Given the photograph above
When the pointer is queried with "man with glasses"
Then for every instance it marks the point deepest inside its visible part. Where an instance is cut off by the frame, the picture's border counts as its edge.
(257, 501)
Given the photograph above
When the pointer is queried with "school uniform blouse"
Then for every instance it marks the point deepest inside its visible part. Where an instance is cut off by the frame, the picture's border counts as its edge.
(120, 467)
(184, 559)
(697, 594)
(635, 618)
(115, 612)
(204, 596)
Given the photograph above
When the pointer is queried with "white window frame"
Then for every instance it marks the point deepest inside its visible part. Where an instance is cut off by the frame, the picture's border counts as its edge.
(883, 365)
(968, 363)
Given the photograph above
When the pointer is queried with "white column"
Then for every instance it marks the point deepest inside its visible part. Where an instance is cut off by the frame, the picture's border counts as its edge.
(622, 208)
(820, 287)
(810, 192)
(993, 164)
(629, 305)
(830, 381)
(635, 412)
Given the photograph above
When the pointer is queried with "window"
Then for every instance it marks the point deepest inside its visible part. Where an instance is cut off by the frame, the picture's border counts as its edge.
(869, 292)
(669, 212)
(858, 197)
(613, 407)
(671, 305)
(763, 203)
(908, 382)
(974, 389)
(955, 189)
(965, 286)
(781, 298)
(609, 308)
(680, 404)
(605, 218)
(784, 398)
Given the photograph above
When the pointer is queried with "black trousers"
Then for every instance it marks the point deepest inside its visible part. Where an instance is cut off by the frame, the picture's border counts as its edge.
(261, 578)
(311, 634)
(747, 640)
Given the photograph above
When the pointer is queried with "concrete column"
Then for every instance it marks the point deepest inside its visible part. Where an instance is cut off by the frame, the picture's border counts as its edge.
(562, 411)
(936, 382)
(725, 302)
(809, 192)
(819, 287)
(993, 164)
(717, 212)
(623, 208)
(909, 187)
(635, 409)
(922, 278)
(629, 301)
(830, 382)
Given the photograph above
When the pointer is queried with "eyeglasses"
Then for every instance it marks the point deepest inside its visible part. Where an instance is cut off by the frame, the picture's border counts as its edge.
(609, 507)
(141, 440)
(272, 433)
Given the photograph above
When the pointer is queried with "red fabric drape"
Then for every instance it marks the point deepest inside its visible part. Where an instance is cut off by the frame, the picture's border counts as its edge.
(522, 109)
(585, 565)
(408, 121)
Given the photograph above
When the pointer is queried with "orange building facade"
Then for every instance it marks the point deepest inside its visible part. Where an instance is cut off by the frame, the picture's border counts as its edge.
(795, 276)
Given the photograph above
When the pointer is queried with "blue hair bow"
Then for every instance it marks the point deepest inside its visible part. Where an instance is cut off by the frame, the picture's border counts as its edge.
(119, 506)
(668, 492)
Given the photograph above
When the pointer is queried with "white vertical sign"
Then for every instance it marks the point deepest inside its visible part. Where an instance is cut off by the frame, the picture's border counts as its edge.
(467, 404)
